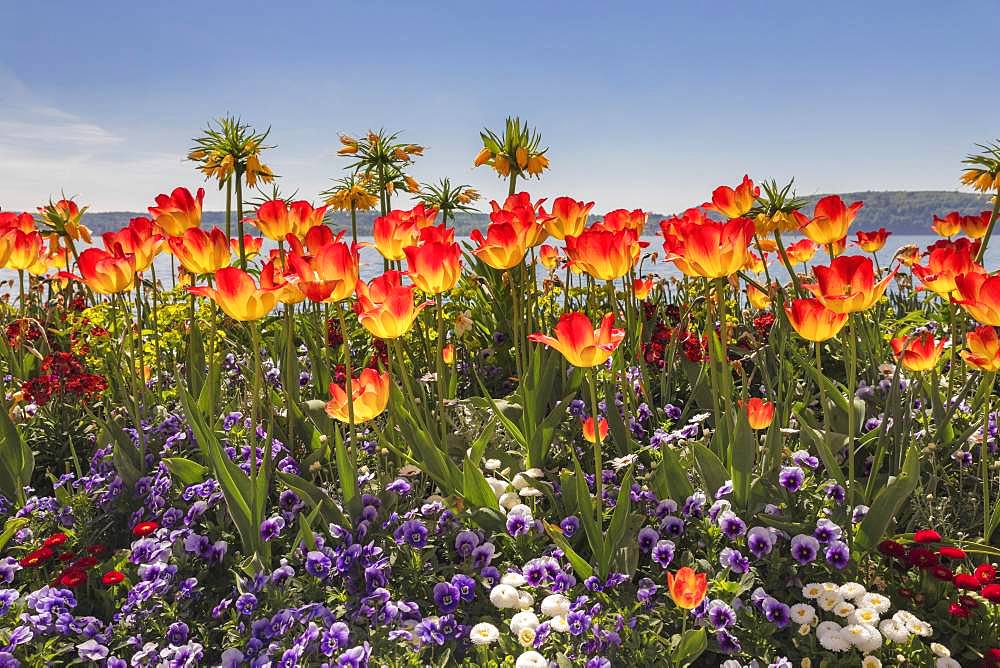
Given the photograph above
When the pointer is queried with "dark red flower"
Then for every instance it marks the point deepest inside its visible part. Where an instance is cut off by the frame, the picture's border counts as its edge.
(144, 528)
(968, 602)
(67, 556)
(36, 558)
(967, 581)
(991, 593)
(955, 610)
(905, 592)
(992, 658)
(891, 548)
(55, 539)
(942, 573)
(97, 549)
(952, 552)
(72, 577)
(927, 536)
(986, 573)
(112, 578)
(85, 563)
(921, 557)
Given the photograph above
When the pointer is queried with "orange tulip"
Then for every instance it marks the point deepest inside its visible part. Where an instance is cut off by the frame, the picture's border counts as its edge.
(623, 219)
(328, 276)
(201, 252)
(238, 296)
(503, 247)
(760, 413)
(754, 263)
(17, 221)
(548, 256)
(569, 217)
(441, 234)
(975, 226)
(138, 238)
(604, 254)
(831, 220)
(801, 251)
(919, 353)
(872, 242)
(949, 225)
(393, 233)
(687, 587)
(641, 287)
(979, 294)
(578, 341)
(702, 247)
(251, 245)
(448, 354)
(813, 321)
(528, 218)
(272, 275)
(105, 272)
(385, 306)
(908, 255)
(733, 202)
(837, 247)
(69, 214)
(25, 251)
(944, 264)
(369, 394)
(588, 429)
(770, 245)
(983, 349)
(434, 267)
(178, 211)
(316, 238)
(758, 299)
(848, 284)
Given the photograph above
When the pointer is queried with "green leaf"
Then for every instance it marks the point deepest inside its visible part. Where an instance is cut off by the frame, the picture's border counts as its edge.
(713, 473)
(670, 480)
(743, 456)
(10, 527)
(888, 501)
(585, 507)
(187, 471)
(616, 530)
(692, 644)
(475, 489)
(579, 564)
(346, 470)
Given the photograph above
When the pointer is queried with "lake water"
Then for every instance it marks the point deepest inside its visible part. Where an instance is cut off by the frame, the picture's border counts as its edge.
(371, 261)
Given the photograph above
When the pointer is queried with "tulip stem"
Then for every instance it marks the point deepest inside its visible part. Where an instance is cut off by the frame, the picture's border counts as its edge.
(852, 382)
(239, 220)
(229, 207)
(822, 392)
(787, 263)
(989, 228)
(348, 371)
(598, 445)
(441, 384)
(984, 469)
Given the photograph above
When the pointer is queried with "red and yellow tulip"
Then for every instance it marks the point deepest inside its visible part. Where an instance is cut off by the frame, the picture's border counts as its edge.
(238, 296)
(604, 254)
(139, 239)
(918, 353)
(178, 211)
(687, 587)
(760, 413)
(434, 267)
(578, 341)
(944, 264)
(848, 284)
(831, 220)
(979, 294)
(733, 202)
(587, 427)
(872, 242)
(201, 252)
(949, 225)
(385, 306)
(105, 272)
(813, 321)
(983, 349)
(369, 394)
(569, 217)
(328, 276)
(706, 248)
(502, 248)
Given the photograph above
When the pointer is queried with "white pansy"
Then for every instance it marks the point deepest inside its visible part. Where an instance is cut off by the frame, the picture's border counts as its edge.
(535, 473)
(803, 613)
(520, 481)
(555, 605)
(520, 509)
(513, 579)
(730, 663)
(525, 601)
(498, 486)
(509, 500)
(504, 596)
(493, 465)
(531, 659)
(484, 633)
(529, 491)
(525, 619)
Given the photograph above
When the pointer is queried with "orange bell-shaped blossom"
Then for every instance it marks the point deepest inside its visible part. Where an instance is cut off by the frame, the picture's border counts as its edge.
(251, 245)
(139, 239)
(328, 276)
(587, 426)
(623, 219)
(641, 287)
(25, 250)
(979, 294)
(848, 284)
(974, 226)
(983, 349)
(918, 353)
(949, 225)
(760, 413)
(578, 341)
(273, 276)
(177, 211)
(528, 218)
(733, 202)
(201, 252)
(434, 267)
(105, 272)
(801, 251)
(687, 588)
(706, 248)
(944, 264)
(604, 254)
(238, 296)
(385, 306)
(369, 394)
(831, 220)
(502, 248)
(569, 217)
(872, 242)
(813, 321)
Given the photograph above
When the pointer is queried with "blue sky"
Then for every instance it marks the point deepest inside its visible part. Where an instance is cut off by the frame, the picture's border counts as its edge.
(650, 105)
